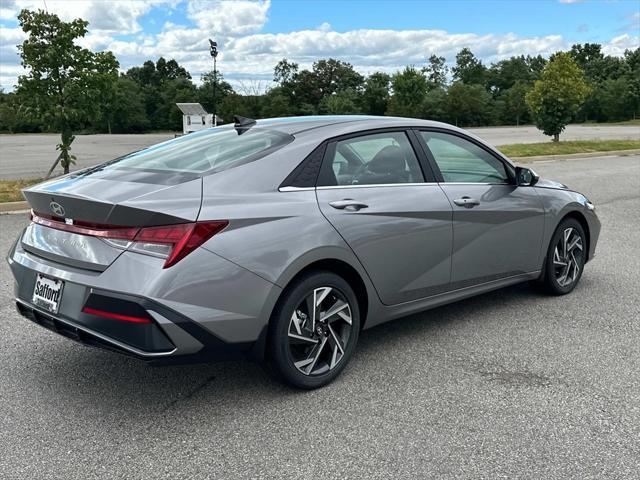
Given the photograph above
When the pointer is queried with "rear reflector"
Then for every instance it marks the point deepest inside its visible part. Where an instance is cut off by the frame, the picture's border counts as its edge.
(173, 242)
(115, 316)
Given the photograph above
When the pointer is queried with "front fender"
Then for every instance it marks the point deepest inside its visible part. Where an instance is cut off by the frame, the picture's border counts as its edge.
(558, 204)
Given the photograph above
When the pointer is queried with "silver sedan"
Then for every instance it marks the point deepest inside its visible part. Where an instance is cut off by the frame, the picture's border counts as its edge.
(282, 239)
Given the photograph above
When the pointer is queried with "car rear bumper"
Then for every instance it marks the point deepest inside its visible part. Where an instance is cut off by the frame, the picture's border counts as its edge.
(213, 349)
(203, 309)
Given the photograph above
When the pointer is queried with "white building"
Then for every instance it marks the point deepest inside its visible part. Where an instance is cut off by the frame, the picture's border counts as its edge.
(194, 117)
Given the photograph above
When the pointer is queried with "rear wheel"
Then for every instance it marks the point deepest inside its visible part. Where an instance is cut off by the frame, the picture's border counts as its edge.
(314, 330)
(565, 258)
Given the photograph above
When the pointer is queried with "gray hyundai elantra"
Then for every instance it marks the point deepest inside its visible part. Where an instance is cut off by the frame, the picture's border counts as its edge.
(282, 239)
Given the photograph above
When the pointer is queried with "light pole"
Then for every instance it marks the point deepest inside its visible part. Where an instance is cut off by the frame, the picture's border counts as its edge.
(213, 50)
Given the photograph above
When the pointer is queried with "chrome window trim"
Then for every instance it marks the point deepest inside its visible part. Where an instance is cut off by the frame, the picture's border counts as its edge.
(475, 183)
(373, 185)
(296, 189)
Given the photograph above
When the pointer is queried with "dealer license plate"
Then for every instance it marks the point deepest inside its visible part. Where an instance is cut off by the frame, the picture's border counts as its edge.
(47, 293)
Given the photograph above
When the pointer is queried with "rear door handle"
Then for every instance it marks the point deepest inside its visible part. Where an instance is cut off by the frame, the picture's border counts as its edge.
(348, 204)
(466, 202)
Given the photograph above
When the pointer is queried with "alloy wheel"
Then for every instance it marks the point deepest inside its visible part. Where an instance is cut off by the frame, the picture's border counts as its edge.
(319, 331)
(567, 257)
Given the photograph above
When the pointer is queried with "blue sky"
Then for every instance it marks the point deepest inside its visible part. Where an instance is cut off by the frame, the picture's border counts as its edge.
(372, 35)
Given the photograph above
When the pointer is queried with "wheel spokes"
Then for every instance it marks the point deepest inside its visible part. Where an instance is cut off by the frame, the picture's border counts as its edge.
(308, 363)
(335, 309)
(557, 260)
(564, 257)
(319, 330)
(575, 243)
(338, 349)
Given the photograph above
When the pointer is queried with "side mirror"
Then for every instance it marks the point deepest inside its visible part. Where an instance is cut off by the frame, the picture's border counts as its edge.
(525, 177)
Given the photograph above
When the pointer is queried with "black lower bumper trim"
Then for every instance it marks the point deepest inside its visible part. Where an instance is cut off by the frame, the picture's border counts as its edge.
(214, 350)
(69, 331)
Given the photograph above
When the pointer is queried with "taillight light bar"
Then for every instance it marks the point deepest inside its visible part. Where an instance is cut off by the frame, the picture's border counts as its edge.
(172, 242)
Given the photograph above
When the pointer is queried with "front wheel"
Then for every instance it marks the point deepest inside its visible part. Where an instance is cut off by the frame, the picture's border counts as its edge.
(314, 330)
(565, 258)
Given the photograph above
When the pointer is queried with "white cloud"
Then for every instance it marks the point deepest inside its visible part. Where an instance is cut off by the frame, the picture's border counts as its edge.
(248, 54)
(571, 1)
(617, 45)
(117, 17)
(372, 49)
(229, 18)
(9, 39)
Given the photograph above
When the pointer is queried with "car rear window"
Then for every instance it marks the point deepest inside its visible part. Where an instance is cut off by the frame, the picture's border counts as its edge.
(211, 150)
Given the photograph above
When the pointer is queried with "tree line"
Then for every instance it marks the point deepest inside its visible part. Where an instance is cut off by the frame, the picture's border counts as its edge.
(71, 89)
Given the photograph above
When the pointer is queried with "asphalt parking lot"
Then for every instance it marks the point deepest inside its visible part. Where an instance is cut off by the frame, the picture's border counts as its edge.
(31, 155)
(512, 384)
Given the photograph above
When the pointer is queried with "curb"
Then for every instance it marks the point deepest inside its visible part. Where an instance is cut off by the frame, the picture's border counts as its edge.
(13, 207)
(569, 156)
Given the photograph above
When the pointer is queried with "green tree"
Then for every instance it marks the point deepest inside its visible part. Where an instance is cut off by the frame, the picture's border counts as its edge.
(205, 90)
(503, 75)
(128, 114)
(434, 106)
(436, 71)
(557, 96)
(632, 60)
(344, 102)
(409, 92)
(285, 72)
(7, 112)
(515, 105)
(375, 96)
(616, 99)
(64, 80)
(309, 87)
(276, 104)
(468, 105)
(164, 83)
(335, 75)
(468, 69)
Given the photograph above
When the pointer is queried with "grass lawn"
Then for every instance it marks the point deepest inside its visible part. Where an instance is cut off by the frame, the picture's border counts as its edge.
(563, 148)
(10, 189)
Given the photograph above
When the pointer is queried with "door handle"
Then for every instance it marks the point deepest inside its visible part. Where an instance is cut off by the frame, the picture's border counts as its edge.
(348, 204)
(466, 202)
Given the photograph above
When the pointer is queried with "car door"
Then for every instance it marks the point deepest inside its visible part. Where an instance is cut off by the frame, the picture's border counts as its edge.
(373, 191)
(497, 226)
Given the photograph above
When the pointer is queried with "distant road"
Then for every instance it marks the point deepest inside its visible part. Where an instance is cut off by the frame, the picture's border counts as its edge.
(30, 156)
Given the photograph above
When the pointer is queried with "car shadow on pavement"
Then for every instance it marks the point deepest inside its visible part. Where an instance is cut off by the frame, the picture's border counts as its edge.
(91, 378)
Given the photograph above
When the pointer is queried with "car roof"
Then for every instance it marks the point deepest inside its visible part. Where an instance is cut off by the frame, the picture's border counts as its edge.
(295, 125)
(329, 126)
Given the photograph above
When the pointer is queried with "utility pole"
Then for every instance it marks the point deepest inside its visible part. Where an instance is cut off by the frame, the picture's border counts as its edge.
(213, 50)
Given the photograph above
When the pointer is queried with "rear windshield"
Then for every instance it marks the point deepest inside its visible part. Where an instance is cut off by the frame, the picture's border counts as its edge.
(210, 150)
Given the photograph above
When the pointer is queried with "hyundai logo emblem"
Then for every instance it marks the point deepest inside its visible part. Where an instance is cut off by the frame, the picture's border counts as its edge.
(57, 209)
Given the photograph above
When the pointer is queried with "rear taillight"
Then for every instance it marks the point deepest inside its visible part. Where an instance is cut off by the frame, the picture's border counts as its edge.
(172, 242)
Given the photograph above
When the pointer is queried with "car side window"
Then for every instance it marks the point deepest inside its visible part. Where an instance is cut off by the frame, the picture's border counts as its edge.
(374, 159)
(460, 160)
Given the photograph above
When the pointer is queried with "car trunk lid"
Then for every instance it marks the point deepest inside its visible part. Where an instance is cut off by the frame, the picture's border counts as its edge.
(98, 199)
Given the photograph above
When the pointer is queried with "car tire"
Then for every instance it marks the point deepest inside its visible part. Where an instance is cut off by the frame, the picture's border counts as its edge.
(565, 259)
(309, 355)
